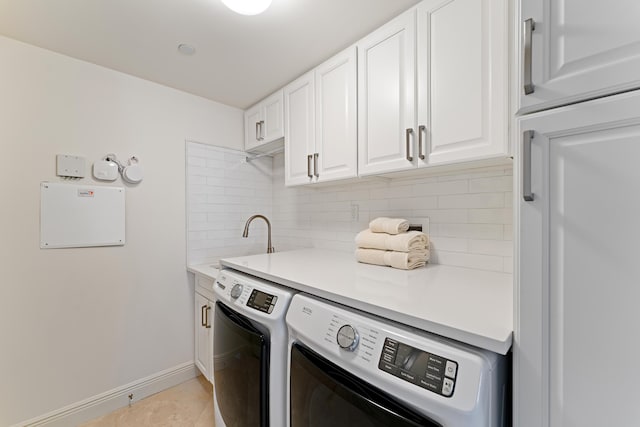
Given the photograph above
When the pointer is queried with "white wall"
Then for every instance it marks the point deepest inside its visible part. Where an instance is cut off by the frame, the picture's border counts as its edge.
(223, 191)
(470, 213)
(78, 322)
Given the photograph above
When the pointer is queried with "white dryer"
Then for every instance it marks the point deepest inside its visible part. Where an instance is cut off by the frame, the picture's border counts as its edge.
(351, 369)
(249, 351)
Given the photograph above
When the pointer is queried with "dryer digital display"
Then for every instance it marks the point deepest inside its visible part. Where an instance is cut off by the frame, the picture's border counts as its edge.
(427, 370)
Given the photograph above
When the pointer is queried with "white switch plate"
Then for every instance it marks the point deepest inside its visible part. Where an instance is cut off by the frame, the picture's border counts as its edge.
(70, 166)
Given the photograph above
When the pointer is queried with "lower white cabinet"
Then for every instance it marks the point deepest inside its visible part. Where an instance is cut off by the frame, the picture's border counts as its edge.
(204, 305)
(576, 323)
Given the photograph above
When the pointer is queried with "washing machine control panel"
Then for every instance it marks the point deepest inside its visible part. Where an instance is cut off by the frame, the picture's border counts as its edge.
(426, 370)
(262, 301)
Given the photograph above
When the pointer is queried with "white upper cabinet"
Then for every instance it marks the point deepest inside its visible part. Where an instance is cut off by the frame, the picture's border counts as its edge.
(447, 103)
(578, 50)
(386, 97)
(299, 130)
(320, 123)
(462, 81)
(263, 123)
(336, 117)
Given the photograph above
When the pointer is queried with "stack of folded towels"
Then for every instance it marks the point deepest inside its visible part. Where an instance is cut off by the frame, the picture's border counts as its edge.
(388, 242)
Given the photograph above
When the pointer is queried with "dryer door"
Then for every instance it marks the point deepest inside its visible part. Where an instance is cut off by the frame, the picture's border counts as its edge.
(240, 369)
(325, 395)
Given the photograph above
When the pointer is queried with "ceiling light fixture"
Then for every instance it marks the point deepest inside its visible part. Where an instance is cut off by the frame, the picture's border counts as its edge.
(247, 7)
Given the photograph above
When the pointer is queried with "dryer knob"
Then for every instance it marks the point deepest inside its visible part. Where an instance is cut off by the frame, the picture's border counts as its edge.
(236, 291)
(348, 338)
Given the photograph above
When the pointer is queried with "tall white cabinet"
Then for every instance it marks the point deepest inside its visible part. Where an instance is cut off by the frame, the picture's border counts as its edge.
(577, 274)
(433, 87)
(577, 352)
(572, 50)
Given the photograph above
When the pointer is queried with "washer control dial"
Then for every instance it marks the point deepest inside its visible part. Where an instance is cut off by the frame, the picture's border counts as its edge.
(236, 291)
(348, 338)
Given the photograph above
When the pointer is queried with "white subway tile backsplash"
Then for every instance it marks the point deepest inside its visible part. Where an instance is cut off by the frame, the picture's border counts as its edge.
(224, 190)
(468, 201)
(508, 265)
(490, 216)
(441, 188)
(450, 244)
(490, 185)
(502, 248)
(469, 231)
(470, 212)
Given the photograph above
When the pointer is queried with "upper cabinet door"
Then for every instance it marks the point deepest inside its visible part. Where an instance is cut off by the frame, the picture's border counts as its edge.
(299, 131)
(579, 49)
(462, 80)
(336, 117)
(386, 97)
(272, 114)
(252, 123)
(264, 123)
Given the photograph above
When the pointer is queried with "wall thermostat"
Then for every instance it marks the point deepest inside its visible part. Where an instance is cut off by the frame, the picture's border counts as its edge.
(105, 170)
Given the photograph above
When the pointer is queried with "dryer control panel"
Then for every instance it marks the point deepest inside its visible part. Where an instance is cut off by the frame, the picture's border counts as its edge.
(427, 370)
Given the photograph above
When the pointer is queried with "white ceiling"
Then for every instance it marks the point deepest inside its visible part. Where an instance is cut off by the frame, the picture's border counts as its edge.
(239, 59)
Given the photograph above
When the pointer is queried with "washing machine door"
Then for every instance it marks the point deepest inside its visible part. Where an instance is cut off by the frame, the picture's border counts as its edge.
(325, 395)
(240, 369)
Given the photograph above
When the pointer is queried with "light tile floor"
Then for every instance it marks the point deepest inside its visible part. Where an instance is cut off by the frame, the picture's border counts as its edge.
(189, 404)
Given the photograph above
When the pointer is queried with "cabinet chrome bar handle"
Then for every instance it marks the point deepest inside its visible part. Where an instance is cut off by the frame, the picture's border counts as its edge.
(202, 315)
(257, 131)
(408, 133)
(309, 166)
(315, 164)
(422, 129)
(527, 136)
(261, 130)
(528, 27)
(207, 324)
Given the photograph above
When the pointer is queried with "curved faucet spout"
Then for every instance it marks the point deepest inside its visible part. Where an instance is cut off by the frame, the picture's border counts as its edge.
(245, 233)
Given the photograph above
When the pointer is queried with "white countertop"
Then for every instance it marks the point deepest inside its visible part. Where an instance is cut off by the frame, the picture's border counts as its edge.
(471, 306)
(209, 270)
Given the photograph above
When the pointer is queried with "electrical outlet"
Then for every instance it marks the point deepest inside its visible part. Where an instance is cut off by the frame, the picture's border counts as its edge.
(355, 212)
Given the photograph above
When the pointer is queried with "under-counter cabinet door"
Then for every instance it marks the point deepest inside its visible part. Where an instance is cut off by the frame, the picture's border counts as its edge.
(386, 97)
(576, 346)
(299, 131)
(203, 337)
(336, 144)
(253, 127)
(462, 80)
(573, 50)
(272, 116)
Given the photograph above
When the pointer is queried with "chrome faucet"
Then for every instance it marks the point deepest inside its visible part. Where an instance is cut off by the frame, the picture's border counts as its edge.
(270, 249)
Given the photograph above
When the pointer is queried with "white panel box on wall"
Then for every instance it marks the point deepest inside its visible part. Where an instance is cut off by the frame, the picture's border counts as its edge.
(81, 216)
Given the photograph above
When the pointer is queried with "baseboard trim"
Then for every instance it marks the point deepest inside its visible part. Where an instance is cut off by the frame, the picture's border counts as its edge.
(104, 403)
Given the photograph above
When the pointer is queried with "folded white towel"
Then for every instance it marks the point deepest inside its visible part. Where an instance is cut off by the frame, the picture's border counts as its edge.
(404, 242)
(401, 260)
(389, 225)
